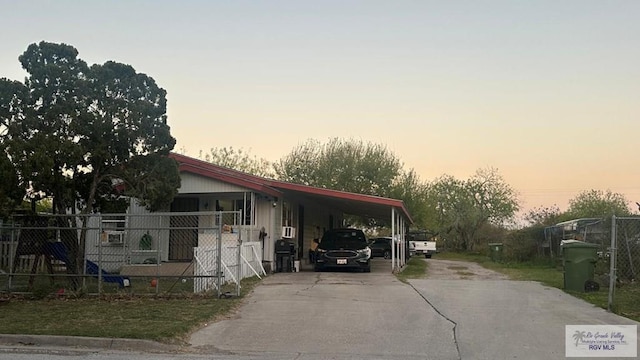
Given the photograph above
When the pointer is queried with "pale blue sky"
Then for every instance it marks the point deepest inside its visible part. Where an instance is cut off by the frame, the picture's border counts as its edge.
(548, 92)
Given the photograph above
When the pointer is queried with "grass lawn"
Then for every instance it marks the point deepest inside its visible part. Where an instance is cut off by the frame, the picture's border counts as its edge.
(416, 269)
(165, 319)
(549, 273)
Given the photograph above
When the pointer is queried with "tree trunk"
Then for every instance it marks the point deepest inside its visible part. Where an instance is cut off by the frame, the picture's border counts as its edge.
(68, 236)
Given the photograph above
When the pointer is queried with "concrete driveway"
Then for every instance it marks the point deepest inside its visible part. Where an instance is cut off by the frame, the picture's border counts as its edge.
(338, 315)
(502, 319)
(333, 315)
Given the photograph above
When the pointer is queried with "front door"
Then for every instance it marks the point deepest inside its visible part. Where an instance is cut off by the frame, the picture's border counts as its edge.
(183, 240)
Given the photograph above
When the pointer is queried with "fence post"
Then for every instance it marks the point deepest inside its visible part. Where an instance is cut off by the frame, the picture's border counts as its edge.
(100, 244)
(219, 255)
(239, 256)
(13, 248)
(612, 264)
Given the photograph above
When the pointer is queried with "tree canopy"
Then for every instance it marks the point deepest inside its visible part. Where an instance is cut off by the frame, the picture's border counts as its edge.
(463, 207)
(72, 131)
(239, 159)
(598, 203)
(346, 165)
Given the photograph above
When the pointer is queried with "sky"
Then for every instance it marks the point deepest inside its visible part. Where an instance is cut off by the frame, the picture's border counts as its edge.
(546, 92)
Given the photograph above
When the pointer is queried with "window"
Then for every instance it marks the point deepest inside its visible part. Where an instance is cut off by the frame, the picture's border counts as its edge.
(113, 227)
(235, 205)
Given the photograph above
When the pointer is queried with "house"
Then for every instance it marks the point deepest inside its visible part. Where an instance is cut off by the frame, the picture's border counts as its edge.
(277, 205)
(271, 210)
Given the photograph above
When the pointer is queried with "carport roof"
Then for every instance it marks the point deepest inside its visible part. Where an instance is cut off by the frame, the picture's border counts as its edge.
(349, 203)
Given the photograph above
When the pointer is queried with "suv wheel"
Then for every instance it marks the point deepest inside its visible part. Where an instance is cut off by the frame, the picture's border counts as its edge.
(387, 254)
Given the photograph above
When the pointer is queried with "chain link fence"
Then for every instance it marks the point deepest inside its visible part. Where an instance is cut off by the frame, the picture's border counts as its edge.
(159, 253)
(618, 250)
(624, 259)
(625, 249)
(591, 230)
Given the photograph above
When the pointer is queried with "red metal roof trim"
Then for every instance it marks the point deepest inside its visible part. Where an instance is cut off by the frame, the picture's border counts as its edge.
(341, 195)
(270, 186)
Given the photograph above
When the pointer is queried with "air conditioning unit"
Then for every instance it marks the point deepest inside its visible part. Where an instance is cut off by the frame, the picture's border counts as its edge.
(288, 232)
(112, 238)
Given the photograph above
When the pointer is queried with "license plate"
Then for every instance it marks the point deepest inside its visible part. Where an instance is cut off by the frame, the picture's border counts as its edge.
(342, 261)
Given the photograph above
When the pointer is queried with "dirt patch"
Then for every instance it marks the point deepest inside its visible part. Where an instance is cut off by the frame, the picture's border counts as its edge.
(457, 267)
(460, 270)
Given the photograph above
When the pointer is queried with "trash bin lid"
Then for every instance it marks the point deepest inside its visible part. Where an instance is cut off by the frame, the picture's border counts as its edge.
(495, 244)
(577, 244)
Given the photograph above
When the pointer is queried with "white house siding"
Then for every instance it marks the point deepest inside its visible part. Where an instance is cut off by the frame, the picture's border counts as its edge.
(138, 222)
(141, 221)
(265, 217)
(196, 184)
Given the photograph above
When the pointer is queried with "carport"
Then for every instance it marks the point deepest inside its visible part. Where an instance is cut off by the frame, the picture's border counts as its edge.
(386, 210)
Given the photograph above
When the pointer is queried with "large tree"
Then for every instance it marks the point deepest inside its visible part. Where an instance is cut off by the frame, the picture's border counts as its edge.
(347, 165)
(598, 203)
(463, 207)
(81, 130)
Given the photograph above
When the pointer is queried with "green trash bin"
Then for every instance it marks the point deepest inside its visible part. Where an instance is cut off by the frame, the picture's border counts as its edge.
(495, 252)
(578, 260)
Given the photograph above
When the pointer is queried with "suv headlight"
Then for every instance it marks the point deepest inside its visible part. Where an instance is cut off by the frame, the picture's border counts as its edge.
(365, 253)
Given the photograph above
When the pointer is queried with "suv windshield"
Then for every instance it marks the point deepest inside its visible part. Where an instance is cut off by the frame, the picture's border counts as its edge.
(343, 239)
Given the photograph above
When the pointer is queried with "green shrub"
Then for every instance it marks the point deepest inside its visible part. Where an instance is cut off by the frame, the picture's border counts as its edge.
(522, 245)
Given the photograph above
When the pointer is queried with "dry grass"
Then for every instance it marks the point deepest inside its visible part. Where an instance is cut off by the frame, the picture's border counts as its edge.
(166, 319)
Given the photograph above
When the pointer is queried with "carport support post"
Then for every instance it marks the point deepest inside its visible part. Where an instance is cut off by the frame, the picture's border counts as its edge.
(393, 244)
(403, 250)
(400, 264)
(397, 244)
(403, 236)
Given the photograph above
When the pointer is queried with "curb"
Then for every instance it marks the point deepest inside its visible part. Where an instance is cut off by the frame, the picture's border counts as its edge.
(80, 342)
